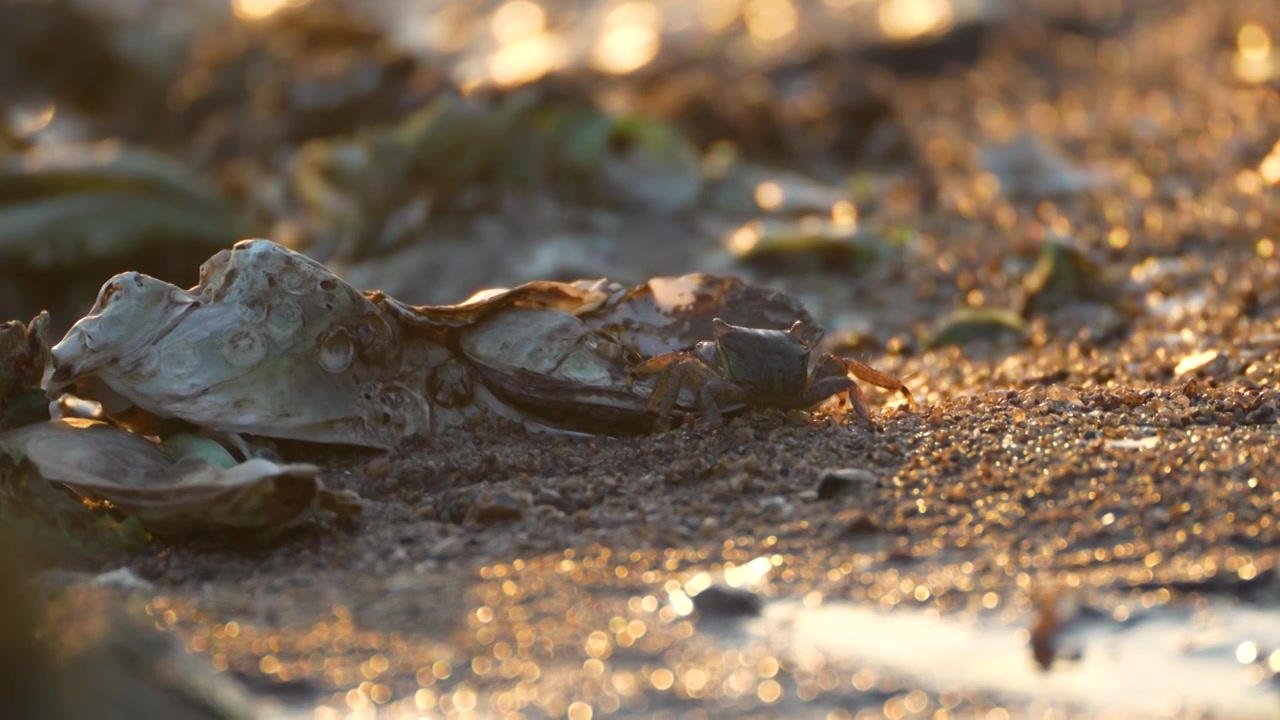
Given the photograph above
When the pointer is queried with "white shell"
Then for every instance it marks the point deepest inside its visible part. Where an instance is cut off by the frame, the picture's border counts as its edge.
(269, 343)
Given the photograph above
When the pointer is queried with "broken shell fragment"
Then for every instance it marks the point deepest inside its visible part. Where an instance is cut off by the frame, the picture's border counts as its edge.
(190, 497)
(552, 365)
(673, 313)
(24, 356)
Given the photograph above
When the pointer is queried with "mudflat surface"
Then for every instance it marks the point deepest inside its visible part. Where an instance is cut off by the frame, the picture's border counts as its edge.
(1124, 459)
(970, 505)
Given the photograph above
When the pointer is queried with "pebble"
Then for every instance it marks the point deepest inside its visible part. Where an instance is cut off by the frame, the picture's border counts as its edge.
(449, 547)
(499, 506)
(845, 482)
(723, 601)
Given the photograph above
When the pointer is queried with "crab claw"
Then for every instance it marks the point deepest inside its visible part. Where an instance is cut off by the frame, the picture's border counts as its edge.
(878, 378)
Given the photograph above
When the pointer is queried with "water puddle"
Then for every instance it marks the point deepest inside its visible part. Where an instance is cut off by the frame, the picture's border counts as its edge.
(1219, 660)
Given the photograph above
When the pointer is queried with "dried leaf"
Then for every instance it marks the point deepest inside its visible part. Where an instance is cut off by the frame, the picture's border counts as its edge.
(1064, 275)
(967, 325)
(648, 164)
(192, 497)
(366, 193)
(61, 204)
(808, 245)
(65, 168)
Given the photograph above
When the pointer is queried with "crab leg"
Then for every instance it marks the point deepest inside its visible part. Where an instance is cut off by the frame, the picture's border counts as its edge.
(713, 393)
(667, 390)
(675, 371)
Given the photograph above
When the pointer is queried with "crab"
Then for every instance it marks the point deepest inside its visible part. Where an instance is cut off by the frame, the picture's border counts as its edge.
(760, 368)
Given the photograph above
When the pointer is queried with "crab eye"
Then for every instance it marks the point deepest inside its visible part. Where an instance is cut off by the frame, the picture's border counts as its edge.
(807, 334)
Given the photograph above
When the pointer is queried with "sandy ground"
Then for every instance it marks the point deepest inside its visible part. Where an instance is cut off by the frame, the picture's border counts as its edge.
(517, 560)
(495, 572)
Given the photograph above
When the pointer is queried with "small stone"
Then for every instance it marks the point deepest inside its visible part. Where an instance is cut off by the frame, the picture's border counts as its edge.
(1196, 361)
(345, 504)
(449, 547)
(709, 527)
(378, 467)
(119, 579)
(724, 602)
(122, 579)
(844, 482)
(1264, 414)
(551, 498)
(499, 506)
(776, 508)
(856, 524)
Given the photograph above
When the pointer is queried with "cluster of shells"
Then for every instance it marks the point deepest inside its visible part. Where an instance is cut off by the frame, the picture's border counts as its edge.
(271, 344)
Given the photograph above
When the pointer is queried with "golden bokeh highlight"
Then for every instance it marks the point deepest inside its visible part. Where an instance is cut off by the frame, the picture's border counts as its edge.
(1255, 58)
(769, 691)
(716, 16)
(259, 9)
(844, 212)
(907, 19)
(527, 51)
(517, 20)
(449, 29)
(769, 195)
(744, 239)
(514, 637)
(1269, 169)
(630, 40)
(525, 60)
(770, 20)
(25, 121)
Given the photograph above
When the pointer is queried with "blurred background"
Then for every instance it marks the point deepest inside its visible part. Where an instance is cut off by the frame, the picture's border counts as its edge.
(866, 155)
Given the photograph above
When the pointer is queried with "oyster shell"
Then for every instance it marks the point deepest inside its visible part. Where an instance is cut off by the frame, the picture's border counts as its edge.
(272, 343)
(189, 497)
(269, 343)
